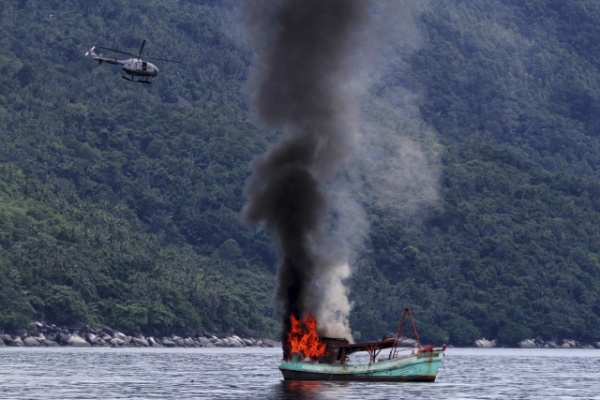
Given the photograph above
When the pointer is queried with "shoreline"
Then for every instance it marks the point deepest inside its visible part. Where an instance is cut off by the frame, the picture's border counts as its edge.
(538, 344)
(43, 335)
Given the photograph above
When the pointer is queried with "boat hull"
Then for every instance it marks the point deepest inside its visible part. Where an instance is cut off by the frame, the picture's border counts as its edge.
(420, 367)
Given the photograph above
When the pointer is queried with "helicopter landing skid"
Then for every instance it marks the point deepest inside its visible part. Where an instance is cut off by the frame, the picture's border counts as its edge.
(133, 80)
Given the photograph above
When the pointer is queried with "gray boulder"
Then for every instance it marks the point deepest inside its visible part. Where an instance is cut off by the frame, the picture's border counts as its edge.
(204, 342)
(485, 344)
(527, 344)
(407, 342)
(140, 342)
(63, 338)
(38, 325)
(270, 343)
(77, 341)
(30, 341)
(153, 342)
(40, 338)
(91, 337)
(5, 338)
(16, 342)
(98, 341)
(234, 341)
(115, 342)
(52, 336)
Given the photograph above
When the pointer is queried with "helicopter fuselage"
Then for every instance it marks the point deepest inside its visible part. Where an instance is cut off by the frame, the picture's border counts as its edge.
(139, 67)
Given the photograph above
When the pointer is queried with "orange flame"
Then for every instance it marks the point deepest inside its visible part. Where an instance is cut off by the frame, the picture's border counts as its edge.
(303, 337)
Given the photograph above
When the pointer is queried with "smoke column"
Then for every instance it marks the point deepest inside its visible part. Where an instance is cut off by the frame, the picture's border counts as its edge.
(301, 83)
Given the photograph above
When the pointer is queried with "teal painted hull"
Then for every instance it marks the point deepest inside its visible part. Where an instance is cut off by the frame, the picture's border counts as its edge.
(419, 367)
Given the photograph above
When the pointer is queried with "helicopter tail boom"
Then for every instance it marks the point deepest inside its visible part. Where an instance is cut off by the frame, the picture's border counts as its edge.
(101, 59)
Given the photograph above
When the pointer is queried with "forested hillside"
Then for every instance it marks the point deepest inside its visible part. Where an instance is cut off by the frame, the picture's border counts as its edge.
(120, 202)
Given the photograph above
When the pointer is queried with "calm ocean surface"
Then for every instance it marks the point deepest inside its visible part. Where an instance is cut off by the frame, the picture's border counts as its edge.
(133, 373)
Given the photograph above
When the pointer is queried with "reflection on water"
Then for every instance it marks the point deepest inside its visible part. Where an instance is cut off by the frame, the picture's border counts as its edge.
(101, 373)
(311, 390)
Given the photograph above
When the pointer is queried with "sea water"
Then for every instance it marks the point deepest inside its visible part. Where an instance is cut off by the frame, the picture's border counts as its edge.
(252, 373)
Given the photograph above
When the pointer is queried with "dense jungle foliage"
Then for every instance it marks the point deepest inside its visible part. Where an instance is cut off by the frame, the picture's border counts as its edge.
(120, 203)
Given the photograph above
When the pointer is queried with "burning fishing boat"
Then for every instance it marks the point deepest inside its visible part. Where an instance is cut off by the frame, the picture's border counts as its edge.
(305, 82)
(308, 357)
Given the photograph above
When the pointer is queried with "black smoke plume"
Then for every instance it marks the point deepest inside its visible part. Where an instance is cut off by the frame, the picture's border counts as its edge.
(302, 83)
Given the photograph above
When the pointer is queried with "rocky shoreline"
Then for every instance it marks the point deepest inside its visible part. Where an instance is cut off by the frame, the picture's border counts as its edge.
(541, 344)
(43, 335)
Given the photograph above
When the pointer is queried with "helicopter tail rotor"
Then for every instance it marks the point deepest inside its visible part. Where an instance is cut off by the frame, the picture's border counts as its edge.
(90, 51)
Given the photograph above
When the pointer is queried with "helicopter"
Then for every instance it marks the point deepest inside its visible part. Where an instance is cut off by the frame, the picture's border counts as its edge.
(134, 67)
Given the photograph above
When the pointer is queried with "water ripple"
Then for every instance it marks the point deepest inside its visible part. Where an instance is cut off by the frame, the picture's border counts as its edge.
(101, 373)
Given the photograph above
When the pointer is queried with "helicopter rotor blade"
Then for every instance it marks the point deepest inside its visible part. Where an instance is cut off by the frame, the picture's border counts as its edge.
(118, 51)
(139, 55)
(162, 59)
(142, 48)
(90, 51)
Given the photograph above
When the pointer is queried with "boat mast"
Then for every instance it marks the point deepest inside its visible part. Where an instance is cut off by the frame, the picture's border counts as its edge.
(399, 331)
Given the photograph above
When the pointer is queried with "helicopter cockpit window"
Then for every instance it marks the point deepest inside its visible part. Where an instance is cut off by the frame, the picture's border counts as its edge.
(144, 65)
